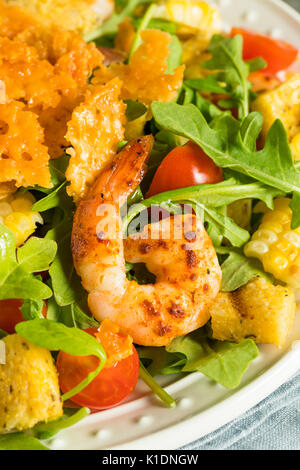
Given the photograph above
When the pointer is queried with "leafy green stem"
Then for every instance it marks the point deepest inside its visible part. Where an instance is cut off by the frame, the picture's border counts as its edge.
(169, 401)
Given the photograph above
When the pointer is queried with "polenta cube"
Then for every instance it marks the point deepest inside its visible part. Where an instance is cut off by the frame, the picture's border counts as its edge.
(257, 310)
(29, 390)
(282, 103)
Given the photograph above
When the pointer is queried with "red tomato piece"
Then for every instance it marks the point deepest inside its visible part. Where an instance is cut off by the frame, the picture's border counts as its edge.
(10, 314)
(278, 54)
(108, 389)
(185, 166)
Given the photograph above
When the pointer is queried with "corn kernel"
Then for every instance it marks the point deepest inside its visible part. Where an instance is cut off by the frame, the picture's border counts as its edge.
(275, 262)
(255, 248)
(22, 202)
(16, 214)
(273, 226)
(278, 216)
(295, 147)
(276, 245)
(267, 236)
(194, 14)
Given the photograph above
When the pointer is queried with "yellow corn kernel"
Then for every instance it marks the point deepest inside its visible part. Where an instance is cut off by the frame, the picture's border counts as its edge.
(16, 214)
(295, 147)
(194, 14)
(22, 202)
(273, 226)
(276, 245)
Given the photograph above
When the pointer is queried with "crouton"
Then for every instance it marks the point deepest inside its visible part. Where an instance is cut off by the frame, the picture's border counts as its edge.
(282, 103)
(258, 310)
(29, 390)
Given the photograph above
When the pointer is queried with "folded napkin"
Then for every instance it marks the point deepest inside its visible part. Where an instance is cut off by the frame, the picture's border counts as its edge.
(272, 424)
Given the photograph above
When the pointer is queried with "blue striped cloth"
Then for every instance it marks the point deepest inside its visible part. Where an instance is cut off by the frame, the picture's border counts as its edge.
(272, 424)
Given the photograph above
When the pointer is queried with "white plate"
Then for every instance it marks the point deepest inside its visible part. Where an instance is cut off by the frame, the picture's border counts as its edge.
(203, 406)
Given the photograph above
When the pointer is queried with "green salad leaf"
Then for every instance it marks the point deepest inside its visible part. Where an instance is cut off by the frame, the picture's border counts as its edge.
(20, 441)
(16, 267)
(32, 309)
(223, 142)
(58, 337)
(237, 269)
(70, 417)
(37, 254)
(143, 24)
(210, 199)
(70, 315)
(221, 361)
(110, 27)
(232, 72)
(161, 362)
(134, 109)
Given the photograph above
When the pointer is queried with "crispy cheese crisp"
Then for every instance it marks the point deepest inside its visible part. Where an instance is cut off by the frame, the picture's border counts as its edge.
(145, 78)
(30, 79)
(23, 156)
(96, 127)
(14, 19)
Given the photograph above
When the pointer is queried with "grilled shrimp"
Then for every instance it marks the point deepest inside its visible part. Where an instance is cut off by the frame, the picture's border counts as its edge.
(180, 254)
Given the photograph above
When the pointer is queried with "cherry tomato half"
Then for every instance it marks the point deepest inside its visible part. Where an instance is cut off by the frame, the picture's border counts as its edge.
(185, 166)
(278, 54)
(10, 314)
(108, 389)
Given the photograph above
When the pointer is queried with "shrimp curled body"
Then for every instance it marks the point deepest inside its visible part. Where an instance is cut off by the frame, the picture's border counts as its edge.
(186, 267)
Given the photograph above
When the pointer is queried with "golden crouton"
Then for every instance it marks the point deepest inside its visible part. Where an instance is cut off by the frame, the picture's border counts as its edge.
(282, 103)
(29, 390)
(258, 310)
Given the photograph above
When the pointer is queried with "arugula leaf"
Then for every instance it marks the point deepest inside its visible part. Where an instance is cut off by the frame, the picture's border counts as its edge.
(110, 26)
(237, 269)
(134, 109)
(32, 309)
(56, 336)
(158, 23)
(175, 56)
(66, 283)
(52, 200)
(70, 315)
(223, 142)
(208, 199)
(221, 361)
(37, 254)
(20, 441)
(16, 280)
(208, 84)
(69, 418)
(142, 25)
(161, 362)
(3, 333)
(233, 71)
